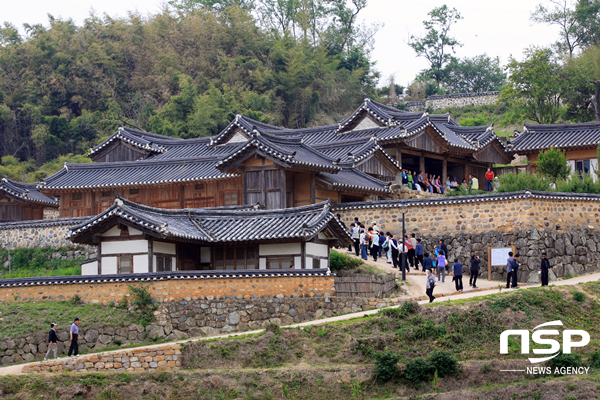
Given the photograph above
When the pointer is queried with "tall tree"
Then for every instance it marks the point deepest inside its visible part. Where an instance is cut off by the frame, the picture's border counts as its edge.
(536, 86)
(437, 46)
(481, 73)
(579, 23)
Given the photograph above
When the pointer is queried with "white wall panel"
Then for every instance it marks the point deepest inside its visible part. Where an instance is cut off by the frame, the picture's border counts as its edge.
(114, 231)
(205, 254)
(315, 249)
(262, 263)
(298, 262)
(279, 249)
(140, 264)
(90, 268)
(166, 248)
(109, 265)
(125, 247)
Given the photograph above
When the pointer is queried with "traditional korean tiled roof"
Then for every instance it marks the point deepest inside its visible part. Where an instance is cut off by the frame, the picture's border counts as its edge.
(195, 148)
(39, 223)
(134, 173)
(379, 112)
(289, 150)
(354, 153)
(247, 125)
(353, 179)
(162, 276)
(219, 225)
(483, 198)
(562, 136)
(27, 192)
(143, 140)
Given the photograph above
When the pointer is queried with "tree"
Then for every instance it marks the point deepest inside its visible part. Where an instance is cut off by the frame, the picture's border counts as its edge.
(553, 163)
(437, 43)
(578, 26)
(536, 86)
(583, 96)
(481, 73)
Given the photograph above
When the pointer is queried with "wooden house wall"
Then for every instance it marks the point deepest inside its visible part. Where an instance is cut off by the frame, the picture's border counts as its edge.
(302, 189)
(491, 154)
(119, 151)
(426, 142)
(191, 195)
(13, 210)
(378, 167)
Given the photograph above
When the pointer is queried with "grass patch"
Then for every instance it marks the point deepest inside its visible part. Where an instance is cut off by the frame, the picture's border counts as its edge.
(41, 261)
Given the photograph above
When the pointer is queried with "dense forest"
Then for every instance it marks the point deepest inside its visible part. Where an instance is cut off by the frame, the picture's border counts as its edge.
(184, 72)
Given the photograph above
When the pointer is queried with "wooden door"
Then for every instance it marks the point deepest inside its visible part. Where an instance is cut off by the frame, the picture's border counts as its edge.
(254, 187)
(265, 186)
(274, 191)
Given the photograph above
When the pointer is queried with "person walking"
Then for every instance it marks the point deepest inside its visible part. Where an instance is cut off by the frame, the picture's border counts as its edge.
(516, 265)
(364, 244)
(355, 233)
(442, 246)
(394, 250)
(427, 263)
(544, 269)
(73, 336)
(441, 265)
(375, 227)
(374, 243)
(489, 180)
(430, 285)
(383, 246)
(457, 274)
(419, 255)
(52, 342)
(474, 271)
(410, 245)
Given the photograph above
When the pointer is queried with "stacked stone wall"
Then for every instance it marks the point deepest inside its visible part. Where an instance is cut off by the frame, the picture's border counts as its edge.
(42, 233)
(439, 102)
(159, 358)
(174, 289)
(191, 318)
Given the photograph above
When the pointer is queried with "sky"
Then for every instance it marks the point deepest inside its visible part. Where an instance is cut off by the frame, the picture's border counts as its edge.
(498, 28)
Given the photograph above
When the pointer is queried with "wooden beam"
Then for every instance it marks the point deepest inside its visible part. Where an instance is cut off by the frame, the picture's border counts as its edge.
(444, 170)
(421, 162)
(151, 255)
(100, 258)
(313, 184)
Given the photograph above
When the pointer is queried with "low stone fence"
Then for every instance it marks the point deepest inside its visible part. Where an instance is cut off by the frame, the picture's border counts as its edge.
(160, 358)
(39, 233)
(192, 318)
(438, 102)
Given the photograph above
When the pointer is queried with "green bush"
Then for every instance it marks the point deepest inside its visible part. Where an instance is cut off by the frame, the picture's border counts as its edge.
(443, 363)
(594, 359)
(577, 183)
(418, 371)
(463, 192)
(514, 182)
(566, 360)
(340, 262)
(143, 303)
(386, 366)
(579, 297)
(26, 262)
(553, 163)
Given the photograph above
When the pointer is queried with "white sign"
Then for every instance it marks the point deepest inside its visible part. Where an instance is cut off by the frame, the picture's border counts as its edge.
(500, 255)
(554, 350)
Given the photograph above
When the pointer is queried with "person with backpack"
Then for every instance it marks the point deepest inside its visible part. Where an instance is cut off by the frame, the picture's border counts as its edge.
(516, 265)
(419, 255)
(457, 274)
(364, 244)
(430, 285)
(374, 243)
(427, 263)
(441, 265)
(52, 342)
(410, 252)
(544, 268)
(394, 250)
(474, 270)
(384, 247)
(355, 233)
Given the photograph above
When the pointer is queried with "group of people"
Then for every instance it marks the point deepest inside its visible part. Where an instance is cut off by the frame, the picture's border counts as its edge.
(442, 266)
(435, 184)
(73, 337)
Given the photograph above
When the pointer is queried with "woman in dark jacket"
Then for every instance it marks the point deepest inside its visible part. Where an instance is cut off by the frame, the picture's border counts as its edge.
(474, 270)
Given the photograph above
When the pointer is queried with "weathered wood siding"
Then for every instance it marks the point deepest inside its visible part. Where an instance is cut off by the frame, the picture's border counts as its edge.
(119, 151)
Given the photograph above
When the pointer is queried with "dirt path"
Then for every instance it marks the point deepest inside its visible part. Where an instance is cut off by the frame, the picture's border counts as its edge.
(18, 369)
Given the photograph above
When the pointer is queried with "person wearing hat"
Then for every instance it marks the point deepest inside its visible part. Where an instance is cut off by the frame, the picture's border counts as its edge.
(52, 342)
(73, 335)
(544, 269)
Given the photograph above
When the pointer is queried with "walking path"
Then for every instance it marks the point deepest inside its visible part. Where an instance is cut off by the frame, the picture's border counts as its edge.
(18, 369)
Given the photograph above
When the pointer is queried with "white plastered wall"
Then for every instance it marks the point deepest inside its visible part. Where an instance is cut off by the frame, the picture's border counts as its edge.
(125, 247)
(165, 248)
(140, 264)
(280, 249)
(90, 268)
(109, 265)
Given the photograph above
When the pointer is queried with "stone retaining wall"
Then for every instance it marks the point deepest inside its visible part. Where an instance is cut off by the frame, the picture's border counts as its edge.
(160, 358)
(439, 102)
(192, 318)
(175, 289)
(41, 233)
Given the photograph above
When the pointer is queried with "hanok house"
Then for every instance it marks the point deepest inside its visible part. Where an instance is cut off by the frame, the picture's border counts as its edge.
(244, 164)
(23, 201)
(579, 141)
(133, 238)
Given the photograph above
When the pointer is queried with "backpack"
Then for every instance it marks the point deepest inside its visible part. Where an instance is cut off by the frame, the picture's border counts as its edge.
(385, 245)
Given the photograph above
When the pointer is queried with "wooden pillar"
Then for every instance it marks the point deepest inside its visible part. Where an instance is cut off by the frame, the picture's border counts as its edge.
(303, 255)
(150, 255)
(399, 159)
(444, 170)
(421, 163)
(99, 258)
(313, 187)
(466, 175)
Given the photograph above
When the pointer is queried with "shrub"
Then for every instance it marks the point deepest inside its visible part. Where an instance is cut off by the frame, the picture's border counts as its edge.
(386, 366)
(566, 360)
(553, 163)
(143, 303)
(417, 371)
(444, 363)
(594, 359)
(579, 297)
(463, 192)
(339, 262)
(577, 183)
(514, 182)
